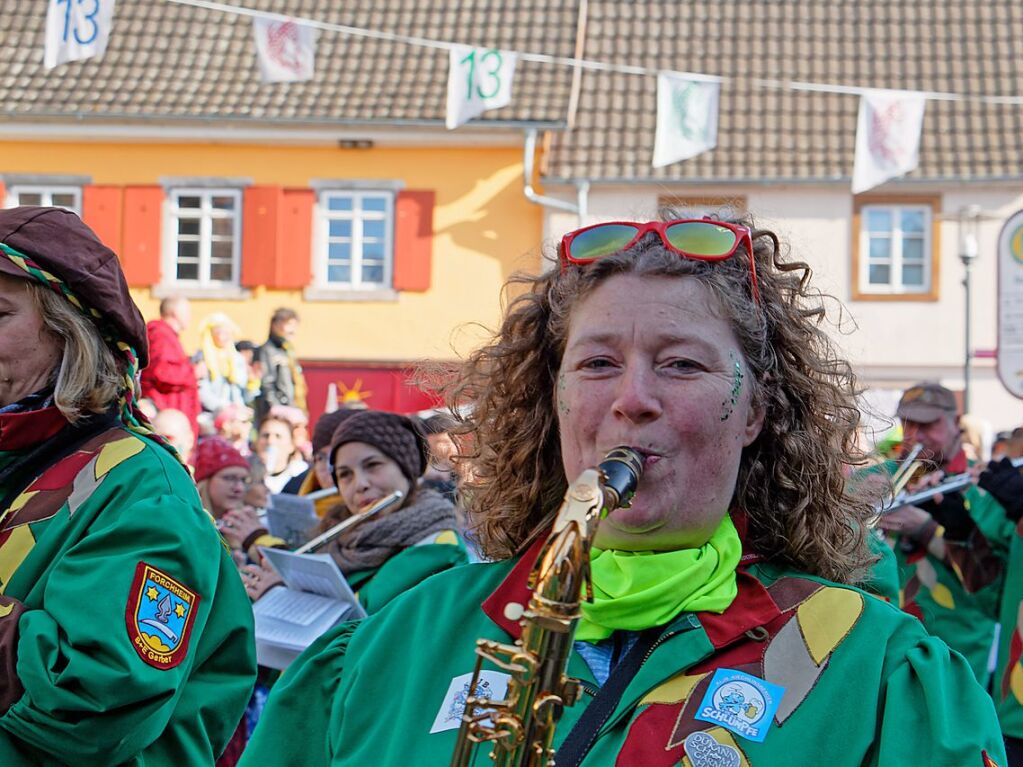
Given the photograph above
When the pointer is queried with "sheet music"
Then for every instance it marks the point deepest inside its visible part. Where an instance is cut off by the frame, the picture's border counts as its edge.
(292, 518)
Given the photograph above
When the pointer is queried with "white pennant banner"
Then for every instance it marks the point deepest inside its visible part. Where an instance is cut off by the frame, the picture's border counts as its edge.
(478, 79)
(687, 118)
(287, 50)
(76, 29)
(887, 137)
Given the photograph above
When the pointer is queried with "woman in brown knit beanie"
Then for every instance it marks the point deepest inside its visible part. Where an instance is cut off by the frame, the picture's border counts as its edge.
(372, 454)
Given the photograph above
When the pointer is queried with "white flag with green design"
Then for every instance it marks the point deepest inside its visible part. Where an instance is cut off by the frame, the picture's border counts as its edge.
(479, 79)
(687, 118)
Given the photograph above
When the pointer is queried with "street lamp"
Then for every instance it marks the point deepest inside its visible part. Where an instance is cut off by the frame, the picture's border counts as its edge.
(969, 230)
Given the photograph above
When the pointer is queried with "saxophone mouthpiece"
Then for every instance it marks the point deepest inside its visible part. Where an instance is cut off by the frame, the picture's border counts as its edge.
(621, 470)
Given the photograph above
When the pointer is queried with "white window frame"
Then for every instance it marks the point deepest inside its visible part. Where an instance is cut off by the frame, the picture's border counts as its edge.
(207, 213)
(895, 285)
(357, 216)
(46, 191)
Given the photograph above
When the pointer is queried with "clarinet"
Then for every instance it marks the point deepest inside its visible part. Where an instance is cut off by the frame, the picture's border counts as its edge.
(521, 727)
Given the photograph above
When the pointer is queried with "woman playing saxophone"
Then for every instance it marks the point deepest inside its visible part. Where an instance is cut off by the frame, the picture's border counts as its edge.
(718, 624)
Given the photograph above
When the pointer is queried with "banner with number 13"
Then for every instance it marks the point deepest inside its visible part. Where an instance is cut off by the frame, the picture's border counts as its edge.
(77, 29)
(478, 79)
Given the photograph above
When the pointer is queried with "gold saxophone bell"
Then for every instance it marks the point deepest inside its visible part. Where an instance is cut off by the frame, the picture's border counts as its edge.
(521, 726)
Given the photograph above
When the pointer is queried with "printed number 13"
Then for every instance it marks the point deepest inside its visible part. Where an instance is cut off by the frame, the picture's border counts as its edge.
(494, 73)
(90, 17)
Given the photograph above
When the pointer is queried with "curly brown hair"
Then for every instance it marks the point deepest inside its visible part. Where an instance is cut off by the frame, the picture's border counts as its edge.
(810, 520)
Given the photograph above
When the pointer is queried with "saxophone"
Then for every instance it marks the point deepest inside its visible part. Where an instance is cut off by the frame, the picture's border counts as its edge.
(521, 726)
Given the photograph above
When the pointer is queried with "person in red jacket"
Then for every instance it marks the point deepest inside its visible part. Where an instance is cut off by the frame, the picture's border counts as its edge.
(170, 379)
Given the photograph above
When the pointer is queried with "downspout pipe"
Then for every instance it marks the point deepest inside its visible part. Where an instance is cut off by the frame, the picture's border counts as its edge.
(528, 164)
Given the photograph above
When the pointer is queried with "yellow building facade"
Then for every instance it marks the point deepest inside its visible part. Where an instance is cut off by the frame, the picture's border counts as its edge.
(481, 226)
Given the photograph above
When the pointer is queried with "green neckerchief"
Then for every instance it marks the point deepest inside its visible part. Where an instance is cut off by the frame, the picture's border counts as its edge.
(635, 590)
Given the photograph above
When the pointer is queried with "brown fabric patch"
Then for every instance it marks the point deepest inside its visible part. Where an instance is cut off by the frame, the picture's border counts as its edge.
(10, 686)
(789, 593)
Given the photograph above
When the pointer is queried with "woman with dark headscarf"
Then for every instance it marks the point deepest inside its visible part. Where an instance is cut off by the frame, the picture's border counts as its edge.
(125, 634)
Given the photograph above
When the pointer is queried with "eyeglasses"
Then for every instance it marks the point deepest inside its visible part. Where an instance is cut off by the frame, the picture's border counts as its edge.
(235, 479)
(701, 239)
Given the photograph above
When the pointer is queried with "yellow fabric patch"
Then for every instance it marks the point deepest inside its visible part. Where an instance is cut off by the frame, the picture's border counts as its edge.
(1016, 682)
(724, 737)
(115, 453)
(448, 536)
(826, 618)
(6, 610)
(13, 553)
(675, 690)
(943, 596)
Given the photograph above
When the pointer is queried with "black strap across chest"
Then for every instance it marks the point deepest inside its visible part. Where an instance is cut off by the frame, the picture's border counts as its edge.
(581, 737)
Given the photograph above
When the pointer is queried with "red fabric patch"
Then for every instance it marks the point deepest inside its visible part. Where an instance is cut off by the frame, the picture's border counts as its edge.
(645, 743)
(1015, 652)
(22, 430)
(988, 761)
(514, 588)
(752, 607)
(63, 473)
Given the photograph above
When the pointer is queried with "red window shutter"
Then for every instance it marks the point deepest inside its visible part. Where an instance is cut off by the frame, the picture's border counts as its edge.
(3, 195)
(102, 210)
(260, 206)
(295, 240)
(413, 239)
(140, 235)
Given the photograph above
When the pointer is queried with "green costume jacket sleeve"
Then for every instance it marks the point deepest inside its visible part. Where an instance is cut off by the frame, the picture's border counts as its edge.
(407, 569)
(90, 696)
(294, 725)
(932, 680)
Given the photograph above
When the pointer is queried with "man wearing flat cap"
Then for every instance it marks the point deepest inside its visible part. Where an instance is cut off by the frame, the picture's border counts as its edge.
(125, 632)
(951, 550)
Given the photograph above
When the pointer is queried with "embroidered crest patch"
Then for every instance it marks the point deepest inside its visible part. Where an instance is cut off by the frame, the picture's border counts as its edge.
(159, 616)
(740, 702)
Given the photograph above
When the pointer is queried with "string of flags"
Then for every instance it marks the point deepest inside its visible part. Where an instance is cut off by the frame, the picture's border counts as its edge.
(480, 79)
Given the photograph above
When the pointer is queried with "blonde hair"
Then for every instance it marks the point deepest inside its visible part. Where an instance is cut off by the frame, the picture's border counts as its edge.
(791, 485)
(90, 376)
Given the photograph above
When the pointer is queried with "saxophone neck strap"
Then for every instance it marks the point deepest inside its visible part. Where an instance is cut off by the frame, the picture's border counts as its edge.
(582, 736)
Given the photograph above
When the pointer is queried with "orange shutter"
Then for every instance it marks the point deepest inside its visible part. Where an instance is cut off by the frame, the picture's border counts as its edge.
(140, 240)
(295, 240)
(259, 234)
(413, 239)
(102, 210)
(3, 195)
(277, 235)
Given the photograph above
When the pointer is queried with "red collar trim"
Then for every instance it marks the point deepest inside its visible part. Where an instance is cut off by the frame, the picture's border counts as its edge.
(514, 590)
(958, 464)
(22, 430)
(752, 607)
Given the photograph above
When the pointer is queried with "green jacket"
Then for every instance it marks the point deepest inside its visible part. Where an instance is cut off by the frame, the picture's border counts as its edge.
(377, 586)
(1008, 681)
(956, 595)
(125, 633)
(863, 683)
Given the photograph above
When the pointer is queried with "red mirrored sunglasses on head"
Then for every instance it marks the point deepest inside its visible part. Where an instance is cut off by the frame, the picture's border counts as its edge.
(701, 239)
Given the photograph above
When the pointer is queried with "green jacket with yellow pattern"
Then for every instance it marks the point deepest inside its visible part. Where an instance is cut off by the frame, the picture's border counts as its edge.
(796, 671)
(125, 633)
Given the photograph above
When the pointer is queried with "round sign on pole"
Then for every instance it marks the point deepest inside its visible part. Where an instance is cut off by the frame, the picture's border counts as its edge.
(1010, 305)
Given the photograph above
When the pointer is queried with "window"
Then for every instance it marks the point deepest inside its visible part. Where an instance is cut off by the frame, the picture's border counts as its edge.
(355, 244)
(204, 237)
(895, 249)
(69, 197)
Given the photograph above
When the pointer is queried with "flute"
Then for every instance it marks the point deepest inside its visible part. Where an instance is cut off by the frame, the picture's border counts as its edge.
(324, 538)
(950, 485)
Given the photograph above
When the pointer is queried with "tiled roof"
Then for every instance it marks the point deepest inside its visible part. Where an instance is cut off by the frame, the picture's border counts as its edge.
(170, 62)
(957, 46)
